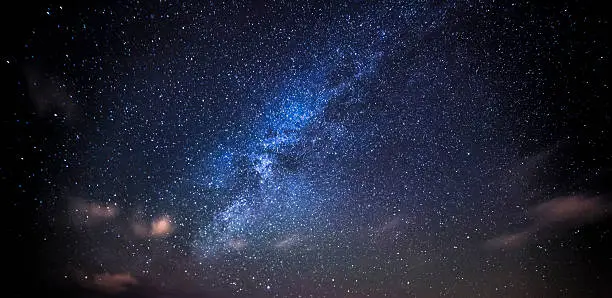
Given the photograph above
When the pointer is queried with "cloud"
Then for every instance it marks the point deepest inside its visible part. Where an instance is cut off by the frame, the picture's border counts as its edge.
(287, 242)
(509, 241)
(114, 283)
(90, 213)
(140, 230)
(99, 211)
(574, 209)
(557, 213)
(160, 227)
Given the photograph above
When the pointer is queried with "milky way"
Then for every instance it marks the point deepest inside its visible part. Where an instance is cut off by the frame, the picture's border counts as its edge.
(363, 149)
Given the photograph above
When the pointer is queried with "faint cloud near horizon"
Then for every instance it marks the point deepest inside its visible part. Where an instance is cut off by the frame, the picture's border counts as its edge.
(561, 212)
(85, 212)
(114, 283)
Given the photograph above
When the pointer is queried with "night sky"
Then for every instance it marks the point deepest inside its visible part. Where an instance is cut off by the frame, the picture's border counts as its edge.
(306, 149)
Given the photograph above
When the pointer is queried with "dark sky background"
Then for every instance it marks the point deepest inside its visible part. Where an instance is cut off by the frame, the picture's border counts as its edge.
(306, 149)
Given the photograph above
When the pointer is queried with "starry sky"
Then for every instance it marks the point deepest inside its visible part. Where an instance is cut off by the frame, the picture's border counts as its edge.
(307, 149)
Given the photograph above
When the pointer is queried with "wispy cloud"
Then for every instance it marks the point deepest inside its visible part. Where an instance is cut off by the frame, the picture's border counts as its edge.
(287, 242)
(85, 212)
(560, 212)
(575, 209)
(509, 241)
(159, 227)
(114, 283)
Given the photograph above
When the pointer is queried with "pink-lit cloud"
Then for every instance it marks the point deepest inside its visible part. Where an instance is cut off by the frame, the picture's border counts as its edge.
(560, 212)
(114, 283)
(99, 211)
(90, 213)
(509, 241)
(162, 227)
(574, 209)
(158, 228)
(141, 230)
